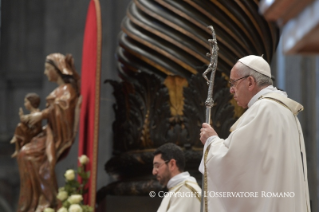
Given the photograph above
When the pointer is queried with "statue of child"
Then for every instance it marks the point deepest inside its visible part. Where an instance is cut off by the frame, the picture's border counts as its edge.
(24, 132)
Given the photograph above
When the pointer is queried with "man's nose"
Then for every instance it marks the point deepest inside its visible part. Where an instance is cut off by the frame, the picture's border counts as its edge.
(232, 90)
(154, 171)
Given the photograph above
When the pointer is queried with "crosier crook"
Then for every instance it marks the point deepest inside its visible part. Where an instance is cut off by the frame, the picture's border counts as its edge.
(211, 68)
(209, 101)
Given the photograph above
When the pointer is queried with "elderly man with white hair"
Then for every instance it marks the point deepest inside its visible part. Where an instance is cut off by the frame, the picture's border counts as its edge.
(261, 166)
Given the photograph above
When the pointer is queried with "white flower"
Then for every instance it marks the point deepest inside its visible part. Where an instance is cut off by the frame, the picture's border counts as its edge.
(49, 210)
(69, 174)
(75, 208)
(84, 159)
(62, 195)
(63, 209)
(75, 198)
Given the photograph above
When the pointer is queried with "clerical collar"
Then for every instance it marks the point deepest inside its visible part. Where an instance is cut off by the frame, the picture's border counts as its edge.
(179, 178)
(264, 91)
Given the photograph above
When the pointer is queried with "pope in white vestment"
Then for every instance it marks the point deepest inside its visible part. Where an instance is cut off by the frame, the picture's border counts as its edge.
(261, 166)
(184, 195)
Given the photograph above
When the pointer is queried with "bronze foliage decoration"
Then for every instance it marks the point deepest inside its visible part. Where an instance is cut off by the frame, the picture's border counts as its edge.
(137, 111)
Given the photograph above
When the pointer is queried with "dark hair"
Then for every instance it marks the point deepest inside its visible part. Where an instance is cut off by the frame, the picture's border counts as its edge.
(171, 151)
(34, 99)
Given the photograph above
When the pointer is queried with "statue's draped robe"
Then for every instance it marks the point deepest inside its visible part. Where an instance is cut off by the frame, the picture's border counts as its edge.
(265, 152)
(37, 159)
(24, 133)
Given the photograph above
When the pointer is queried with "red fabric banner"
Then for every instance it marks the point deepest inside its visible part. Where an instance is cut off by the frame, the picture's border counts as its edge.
(90, 91)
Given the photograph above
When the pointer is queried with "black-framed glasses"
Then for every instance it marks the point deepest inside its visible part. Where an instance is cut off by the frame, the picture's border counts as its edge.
(156, 166)
(232, 83)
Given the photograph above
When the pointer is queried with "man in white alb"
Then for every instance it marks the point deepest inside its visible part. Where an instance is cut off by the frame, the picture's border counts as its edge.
(261, 166)
(168, 167)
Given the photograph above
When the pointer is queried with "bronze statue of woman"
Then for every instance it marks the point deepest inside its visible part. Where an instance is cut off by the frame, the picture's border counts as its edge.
(37, 159)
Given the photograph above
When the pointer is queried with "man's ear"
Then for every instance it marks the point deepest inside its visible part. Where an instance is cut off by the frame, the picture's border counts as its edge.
(172, 164)
(251, 83)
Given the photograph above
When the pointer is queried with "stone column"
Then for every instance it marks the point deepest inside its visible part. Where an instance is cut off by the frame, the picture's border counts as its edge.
(309, 122)
(297, 75)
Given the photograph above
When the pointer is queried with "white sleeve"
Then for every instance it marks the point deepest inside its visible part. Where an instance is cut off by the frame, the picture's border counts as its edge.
(209, 141)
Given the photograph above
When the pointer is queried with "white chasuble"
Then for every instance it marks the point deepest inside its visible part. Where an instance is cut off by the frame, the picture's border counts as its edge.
(261, 166)
(184, 195)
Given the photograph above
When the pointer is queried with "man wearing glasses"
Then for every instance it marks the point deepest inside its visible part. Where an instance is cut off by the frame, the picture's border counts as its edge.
(184, 192)
(262, 165)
